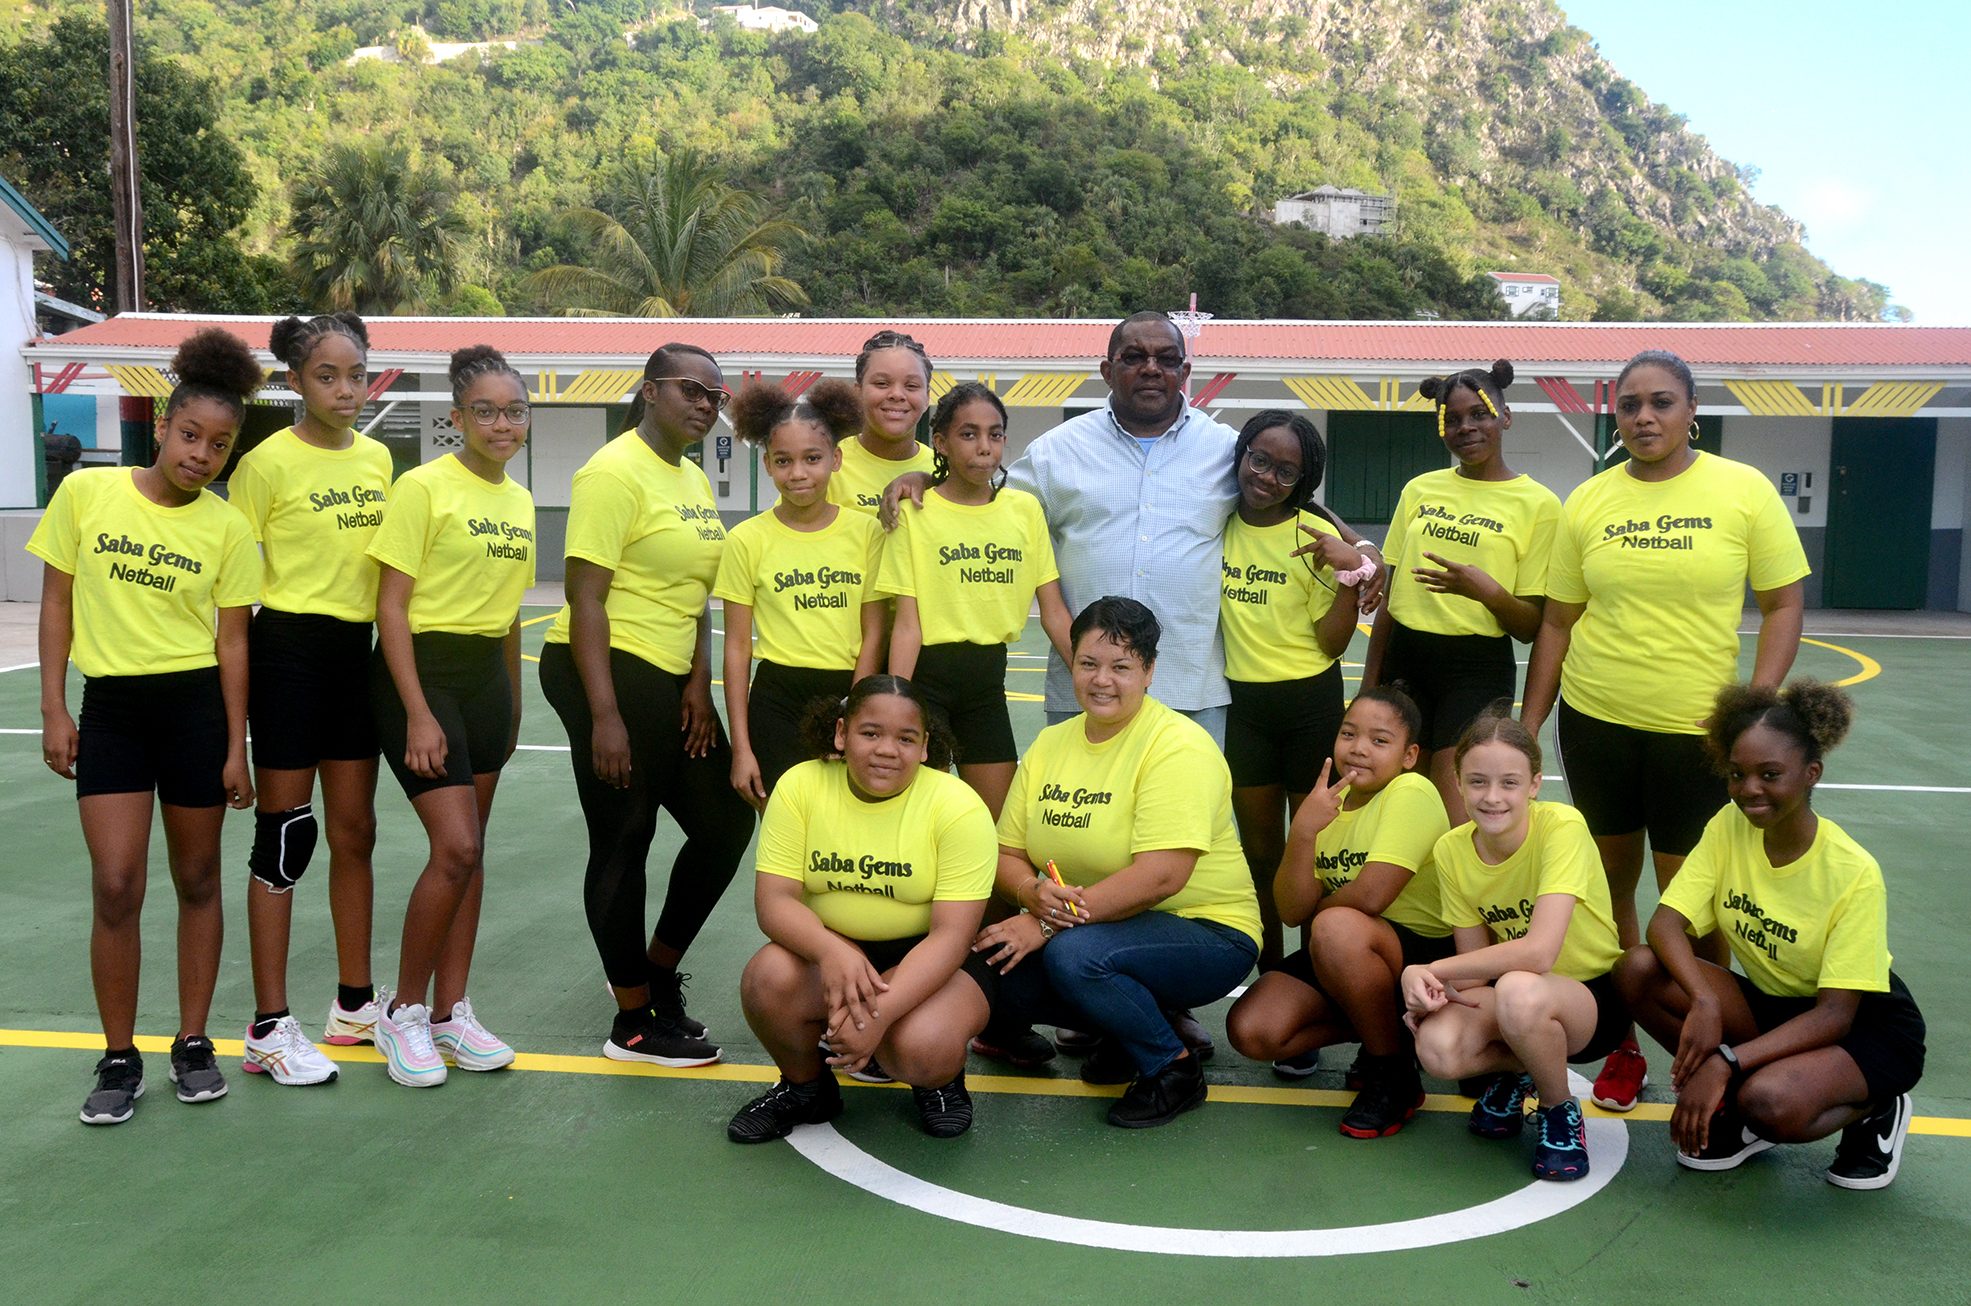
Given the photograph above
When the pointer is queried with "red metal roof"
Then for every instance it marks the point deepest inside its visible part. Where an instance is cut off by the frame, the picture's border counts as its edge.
(1597, 345)
(1537, 278)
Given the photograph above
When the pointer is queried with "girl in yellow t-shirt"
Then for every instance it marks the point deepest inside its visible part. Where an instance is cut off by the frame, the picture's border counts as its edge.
(873, 875)
(1285, 619)
(893, 382)
(1467, 554)
(627, 666)
(1529, 989)
(964, 567)
(1817, 1033)
(140, 566)
(457, 553)
(1644, 593)
(314, 495)
(800, 579)
(1357, 873)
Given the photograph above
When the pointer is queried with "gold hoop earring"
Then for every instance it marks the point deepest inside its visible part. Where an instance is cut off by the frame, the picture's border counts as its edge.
(1696, 431)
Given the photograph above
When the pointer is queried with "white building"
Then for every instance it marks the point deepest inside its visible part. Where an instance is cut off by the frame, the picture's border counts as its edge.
(23, 234)
(767, 18)
(1529, 294)
(1338, 211)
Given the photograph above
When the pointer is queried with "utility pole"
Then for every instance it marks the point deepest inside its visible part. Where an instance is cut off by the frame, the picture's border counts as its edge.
(124, 177)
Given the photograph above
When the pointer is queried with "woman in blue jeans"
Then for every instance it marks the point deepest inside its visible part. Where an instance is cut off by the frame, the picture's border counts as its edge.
(1117, 847)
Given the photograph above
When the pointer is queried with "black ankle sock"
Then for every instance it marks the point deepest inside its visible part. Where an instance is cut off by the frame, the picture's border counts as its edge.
(350, 997)
(263, 1021)
(129, 1052)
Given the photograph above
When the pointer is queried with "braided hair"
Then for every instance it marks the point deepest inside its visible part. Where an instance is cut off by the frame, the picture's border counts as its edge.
(1489, 386)
(293, 339)
(946, 414)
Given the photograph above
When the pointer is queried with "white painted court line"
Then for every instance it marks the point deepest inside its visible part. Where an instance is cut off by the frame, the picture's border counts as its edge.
(1883, 789)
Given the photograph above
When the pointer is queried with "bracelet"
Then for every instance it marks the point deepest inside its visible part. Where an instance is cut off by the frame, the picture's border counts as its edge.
(1360, 574)
(1730, 1058)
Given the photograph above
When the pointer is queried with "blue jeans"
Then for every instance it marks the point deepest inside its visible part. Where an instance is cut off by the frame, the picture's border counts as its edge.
(1211, 718)
(1118, 977)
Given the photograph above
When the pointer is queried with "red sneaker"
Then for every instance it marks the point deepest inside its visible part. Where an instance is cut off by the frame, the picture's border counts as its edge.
(1622, 1079)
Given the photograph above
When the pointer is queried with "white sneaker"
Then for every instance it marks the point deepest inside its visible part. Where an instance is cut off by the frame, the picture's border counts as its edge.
(287, 1056)
(404, 1039)
(466, 1043)
(348, 1028)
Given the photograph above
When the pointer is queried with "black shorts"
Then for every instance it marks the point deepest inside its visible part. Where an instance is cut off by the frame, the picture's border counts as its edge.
(775, 707)
(1452, 678)
(308, 699)
(1886, 1039)
(1612, 1020)
(967, 683)
(465, 685)
(1418, 950)
(1281, 733)
(163, 732)
(1624, 780)
(885, 954)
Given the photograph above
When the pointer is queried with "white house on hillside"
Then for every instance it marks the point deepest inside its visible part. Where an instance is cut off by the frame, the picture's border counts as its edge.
(767, 18)
(1338, 211)
(1529, 294)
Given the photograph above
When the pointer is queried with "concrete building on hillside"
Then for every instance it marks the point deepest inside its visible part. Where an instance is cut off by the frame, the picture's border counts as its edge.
(1529, 294)
(1338, 211)
(1865, 430)
(767, 18)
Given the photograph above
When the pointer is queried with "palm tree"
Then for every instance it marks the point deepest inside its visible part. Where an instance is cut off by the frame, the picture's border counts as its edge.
(685, 244)
(374, 230)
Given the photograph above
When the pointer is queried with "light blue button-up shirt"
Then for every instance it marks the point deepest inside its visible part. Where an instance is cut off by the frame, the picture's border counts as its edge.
(1145, 525)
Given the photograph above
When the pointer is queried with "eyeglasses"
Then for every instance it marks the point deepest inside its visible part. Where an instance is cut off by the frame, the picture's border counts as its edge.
(487, 414)
(696, 393)
(1170, 360)
(1285, 475)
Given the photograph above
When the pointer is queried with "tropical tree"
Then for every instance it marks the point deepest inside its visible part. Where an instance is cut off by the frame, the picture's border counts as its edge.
(375, 230)
(674, 240)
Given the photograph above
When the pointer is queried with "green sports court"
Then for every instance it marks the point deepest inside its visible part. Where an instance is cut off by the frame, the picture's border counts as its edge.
(572, 1178)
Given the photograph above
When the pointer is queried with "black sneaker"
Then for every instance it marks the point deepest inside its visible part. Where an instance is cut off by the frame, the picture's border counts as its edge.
(1871, 1149)
(947, 1111)
(1023, 1049)
(644, 1035)
(1391, 1093)
(1193, 1035)
(1500, 1111)
(872, 1071)
(119, 1083)
(667, 996)
(1160, 1098)
(1075, 1042)
(1562, 1152)
(774, 1113)
(195, 1070)
(1732, 1143)
(1108, 1064)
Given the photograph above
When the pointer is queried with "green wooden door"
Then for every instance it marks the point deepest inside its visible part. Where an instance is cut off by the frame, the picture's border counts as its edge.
(1372, 456)
(1878, 512)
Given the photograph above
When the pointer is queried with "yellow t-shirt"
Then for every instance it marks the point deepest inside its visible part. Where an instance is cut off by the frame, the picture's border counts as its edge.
(657, 528)
(973, 568)
(1662, 567)
(1820, 923)
(1504, 528)
(149, 580)
(1161, 783)
(468, 544)
(863, 477)
(1398, 825)
(871, 870)
(1558, 857)
(315, 512)
(806, 588)
(1268, 601)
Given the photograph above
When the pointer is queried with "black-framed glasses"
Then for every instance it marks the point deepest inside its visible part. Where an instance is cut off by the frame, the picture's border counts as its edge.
(696, 392)
(1285, 475)
(1170, 360)
(487, 414)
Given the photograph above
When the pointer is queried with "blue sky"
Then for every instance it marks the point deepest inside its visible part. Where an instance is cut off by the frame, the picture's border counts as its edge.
(1858, 116)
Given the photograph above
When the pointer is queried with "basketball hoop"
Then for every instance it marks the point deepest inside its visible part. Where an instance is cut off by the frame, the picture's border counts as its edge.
(1189, 321)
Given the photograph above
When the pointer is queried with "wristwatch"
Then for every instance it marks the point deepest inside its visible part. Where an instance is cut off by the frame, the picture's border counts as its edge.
(1731, 1059)
(1046, 930)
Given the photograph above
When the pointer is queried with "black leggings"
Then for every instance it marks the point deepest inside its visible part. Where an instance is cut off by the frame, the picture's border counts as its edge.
(697, 791)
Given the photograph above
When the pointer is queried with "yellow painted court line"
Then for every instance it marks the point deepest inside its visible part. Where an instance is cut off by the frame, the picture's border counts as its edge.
(1870, 668)
(1019, 1085)
(536, 621)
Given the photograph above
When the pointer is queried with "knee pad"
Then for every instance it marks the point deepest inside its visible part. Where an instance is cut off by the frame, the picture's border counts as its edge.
(283, 843)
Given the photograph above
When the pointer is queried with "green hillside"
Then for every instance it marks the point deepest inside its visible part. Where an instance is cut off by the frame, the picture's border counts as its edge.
(965, 157)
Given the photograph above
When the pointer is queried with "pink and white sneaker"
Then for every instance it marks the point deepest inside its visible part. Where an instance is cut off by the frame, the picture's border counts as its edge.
(348, 1028)
(466, 1043)
(404, 1039)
